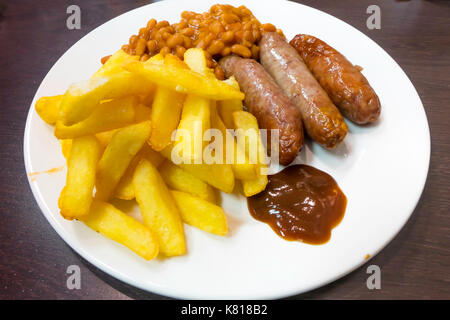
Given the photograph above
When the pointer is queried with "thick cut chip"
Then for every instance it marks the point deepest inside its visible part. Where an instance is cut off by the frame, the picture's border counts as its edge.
(116, 225)
(254, 186)
(250, 139)
(115, 64)
(107, 116)
(220, 176)
(125, 188)
(66, 145)
(200, 213)
(48, 108)
(124, 145)
(227, 107)
(142, 113)
(196, 60)
(76, 197)
(81, 99)
(179, 179)
(158, 209)
(185, 81)
(195, 120)
(166, 111)
(233, 154)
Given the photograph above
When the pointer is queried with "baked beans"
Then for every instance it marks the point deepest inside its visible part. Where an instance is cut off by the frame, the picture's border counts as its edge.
(221, 31)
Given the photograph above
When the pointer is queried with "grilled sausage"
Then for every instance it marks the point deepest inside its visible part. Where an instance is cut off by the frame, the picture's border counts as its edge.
(322, 120)
(265, 100)
(344, 83)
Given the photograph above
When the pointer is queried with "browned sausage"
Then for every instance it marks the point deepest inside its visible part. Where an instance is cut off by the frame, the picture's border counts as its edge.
(343, 81)
(322, 120)
(265, 100)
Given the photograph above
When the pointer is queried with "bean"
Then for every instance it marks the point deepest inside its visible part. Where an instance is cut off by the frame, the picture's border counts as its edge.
(104, 59)
(151, 24)
(227, 36)
(133, 41)
(141, 46)
(241, 50)
(218, 71)
(152, 45)
(215, 47)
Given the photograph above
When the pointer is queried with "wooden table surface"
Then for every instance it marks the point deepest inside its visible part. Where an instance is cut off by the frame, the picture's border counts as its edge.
(34, 259)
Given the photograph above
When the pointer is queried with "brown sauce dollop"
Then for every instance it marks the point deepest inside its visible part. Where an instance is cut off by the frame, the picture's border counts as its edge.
(300, 203)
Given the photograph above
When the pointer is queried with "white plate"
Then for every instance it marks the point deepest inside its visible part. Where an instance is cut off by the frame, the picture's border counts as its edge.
(381, 168)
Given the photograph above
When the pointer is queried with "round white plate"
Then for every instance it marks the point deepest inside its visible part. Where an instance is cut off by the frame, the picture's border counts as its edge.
(381, 168)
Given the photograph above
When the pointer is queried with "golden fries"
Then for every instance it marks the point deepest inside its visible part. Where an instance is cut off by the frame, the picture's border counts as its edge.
(66, 145)
(254, 186)
(242, 167)
(125, 188)
(195, 120)
(107, 116)
(115, 64)
(220, 176)
(124, 145)
(116, 133)
(76, 197)
(81, 99)
(48, 108)
(116, 225)
(179, 179)
(227, 107)
(184, 81)
(166, 111)
(251, 142)
(196, 60)
(142, 113)
(158, 209)
(200, 213)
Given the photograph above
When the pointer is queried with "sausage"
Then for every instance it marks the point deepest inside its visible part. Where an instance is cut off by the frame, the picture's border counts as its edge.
(344, 83)
(265, 100)
(322, 120)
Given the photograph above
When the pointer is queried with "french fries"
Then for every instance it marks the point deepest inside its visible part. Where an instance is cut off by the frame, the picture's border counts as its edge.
(116, 225)
(251, 142)
(76, 197)
(220, 176)
(184, 81)
(125, 188)
(81, 99)
(200, 213)
(48, 108)
(124, 145)
(166, 102)
(196, 60)
(179, 179)
(227, 107)
(114, 64)
(158, 209)
(107, 116)
(116, 132)
(195, 120)
(242, 167)
(251, 139)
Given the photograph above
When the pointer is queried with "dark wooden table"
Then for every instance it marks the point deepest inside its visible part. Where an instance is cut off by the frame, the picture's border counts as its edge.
(34, 259)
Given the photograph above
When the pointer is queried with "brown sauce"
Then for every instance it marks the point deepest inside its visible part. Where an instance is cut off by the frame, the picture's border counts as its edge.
(300, 203)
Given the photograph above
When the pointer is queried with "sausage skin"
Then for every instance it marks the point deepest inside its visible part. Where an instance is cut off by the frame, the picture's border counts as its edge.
(322, 120)
(344, 83)
(265, 100)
